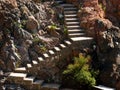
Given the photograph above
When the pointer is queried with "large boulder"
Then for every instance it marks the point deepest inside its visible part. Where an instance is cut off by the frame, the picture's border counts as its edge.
(112, 10)
(11, 3)
(107, 36)
(32, 24)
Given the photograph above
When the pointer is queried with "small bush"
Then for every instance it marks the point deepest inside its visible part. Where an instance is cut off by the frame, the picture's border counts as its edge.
(80, 73)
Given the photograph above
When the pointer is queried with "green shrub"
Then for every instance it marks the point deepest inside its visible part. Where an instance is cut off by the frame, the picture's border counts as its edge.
(80, 73)
(52, 27)
(65, 31)
(18, 64)
(102, 6)
(43, 48)
(36, 40)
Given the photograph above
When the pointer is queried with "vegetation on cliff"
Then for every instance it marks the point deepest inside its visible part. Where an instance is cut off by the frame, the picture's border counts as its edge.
(80, 74)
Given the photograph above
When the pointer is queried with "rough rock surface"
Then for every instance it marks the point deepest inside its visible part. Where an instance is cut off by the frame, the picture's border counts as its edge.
(101, 19)
(112, 10)
(21, 22)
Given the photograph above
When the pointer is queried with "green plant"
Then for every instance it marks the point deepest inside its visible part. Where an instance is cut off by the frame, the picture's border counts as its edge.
(65, 31)
(52, 27)
(18, 24)
(51, 11)
(43, 48)
(79, 72)
(18, 64)
(24, 22)
(80, 6)
(102, 6)
(36, 40)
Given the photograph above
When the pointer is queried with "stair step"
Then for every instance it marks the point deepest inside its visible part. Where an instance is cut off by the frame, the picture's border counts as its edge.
(73, 23)
(17, 75)
(62, 46)
(67, 5)
(57, 49)
(45, 55)
(50, 86)
(81, 38)
(35, 62)
(76, 34)
(29, 80)
(21, 70)
(70, 9)
(40, 59)
(75, 30)
(67, 42)
(72, 15)
(51, 52)
(40, 82)
(73, 27)
(37, 84)
(29, 65)
(70, 12)
(59, 1)
(71, 19)
(16, 78)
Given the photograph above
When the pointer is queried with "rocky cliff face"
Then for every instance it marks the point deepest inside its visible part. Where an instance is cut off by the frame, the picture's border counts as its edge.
(22, 24)
(112, 10)
(100, 19)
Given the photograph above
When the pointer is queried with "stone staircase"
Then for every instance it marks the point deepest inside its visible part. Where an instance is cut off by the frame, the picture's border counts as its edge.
(75, 32)
(26, 76)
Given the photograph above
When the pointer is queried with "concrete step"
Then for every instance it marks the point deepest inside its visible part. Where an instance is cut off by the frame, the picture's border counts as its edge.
(70, 12)
(67, 5)
(37, 84)
(57, 49)
(51, 52)
(70, 16)
(71, 20)
(40, 59)
(28, 80)
(35, 63)
(70, 9)
(81, 38)
(75, 31)
(76, 35)
(21, 70)
(16, 77)
(73, 27)
(50, 86)
(59, 1)
(73, 23)
(29, 66)
(45, 55)
(67, 42)
(62, 46)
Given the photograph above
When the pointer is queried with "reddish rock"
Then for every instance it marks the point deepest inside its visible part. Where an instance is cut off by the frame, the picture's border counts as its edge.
(93, 16)
(112, 10)
(11, 3)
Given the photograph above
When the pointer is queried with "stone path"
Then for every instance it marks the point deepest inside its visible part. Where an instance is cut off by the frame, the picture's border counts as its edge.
(26, 76)
(72, 23)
